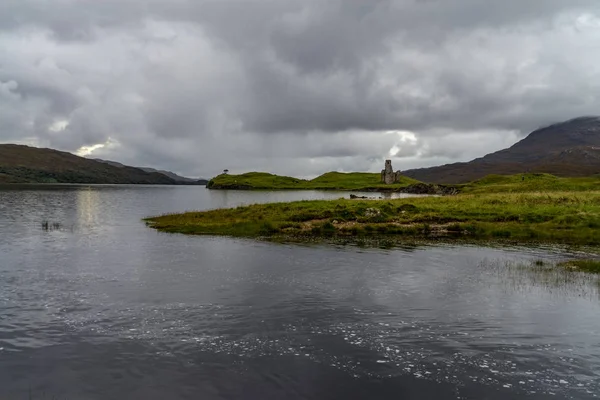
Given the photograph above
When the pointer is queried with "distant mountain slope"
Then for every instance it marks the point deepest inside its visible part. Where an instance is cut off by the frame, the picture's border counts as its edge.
(570, 148)
(170, 174)
(24, 164)
(176, 177)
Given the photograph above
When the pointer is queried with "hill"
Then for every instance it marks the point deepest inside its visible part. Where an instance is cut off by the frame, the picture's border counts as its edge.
(24, 164)
(567, 149)
(172, 175)
(178, 178)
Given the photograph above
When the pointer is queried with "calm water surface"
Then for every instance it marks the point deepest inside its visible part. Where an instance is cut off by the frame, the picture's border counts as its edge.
(102, 307)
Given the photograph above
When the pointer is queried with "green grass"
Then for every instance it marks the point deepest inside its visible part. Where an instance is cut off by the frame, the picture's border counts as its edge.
(329, 181)
(543, 217)
(536, 182)
(361, 181)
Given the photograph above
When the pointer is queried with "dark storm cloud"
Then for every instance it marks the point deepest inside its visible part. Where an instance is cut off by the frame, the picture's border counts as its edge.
(185, 84)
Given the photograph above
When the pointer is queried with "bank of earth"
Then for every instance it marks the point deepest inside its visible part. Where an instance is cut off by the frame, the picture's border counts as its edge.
(520, 209)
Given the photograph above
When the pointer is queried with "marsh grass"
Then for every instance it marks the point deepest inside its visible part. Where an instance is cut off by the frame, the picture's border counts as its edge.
(42, 396)
(589, 266)
(551, 276)
(571, 218)
(51, 226)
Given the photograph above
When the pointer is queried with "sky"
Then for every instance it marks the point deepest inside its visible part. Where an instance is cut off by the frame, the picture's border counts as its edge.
(292, 87)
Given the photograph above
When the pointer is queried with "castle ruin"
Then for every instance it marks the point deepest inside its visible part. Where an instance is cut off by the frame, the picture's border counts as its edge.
(388, 176)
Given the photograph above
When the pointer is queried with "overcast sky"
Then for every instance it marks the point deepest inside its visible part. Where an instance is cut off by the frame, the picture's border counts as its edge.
(296, 87)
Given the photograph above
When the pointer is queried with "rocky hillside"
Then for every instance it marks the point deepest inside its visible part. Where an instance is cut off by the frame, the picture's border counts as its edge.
(570, 148)
(24, 164)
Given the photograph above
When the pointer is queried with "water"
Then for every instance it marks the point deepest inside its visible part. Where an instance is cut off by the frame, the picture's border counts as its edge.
(98, 306)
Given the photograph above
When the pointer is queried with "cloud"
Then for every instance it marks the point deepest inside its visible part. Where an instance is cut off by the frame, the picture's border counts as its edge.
(292, 87)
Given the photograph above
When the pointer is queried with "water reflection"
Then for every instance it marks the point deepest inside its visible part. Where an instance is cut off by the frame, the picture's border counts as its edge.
(88, 207)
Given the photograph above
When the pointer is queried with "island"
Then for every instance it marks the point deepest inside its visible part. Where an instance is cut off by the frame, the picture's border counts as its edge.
(387, 181)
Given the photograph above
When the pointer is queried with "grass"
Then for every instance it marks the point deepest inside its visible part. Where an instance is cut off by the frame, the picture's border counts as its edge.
(329, 181)
(555, 216)
(547, 274)
(536, 182)
(359, 181)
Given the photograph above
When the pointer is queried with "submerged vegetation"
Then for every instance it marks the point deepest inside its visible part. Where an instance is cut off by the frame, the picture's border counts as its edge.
(490, 209)
(554, 276)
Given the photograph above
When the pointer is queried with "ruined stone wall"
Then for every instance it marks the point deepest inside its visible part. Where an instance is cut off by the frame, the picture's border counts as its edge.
(388, 176)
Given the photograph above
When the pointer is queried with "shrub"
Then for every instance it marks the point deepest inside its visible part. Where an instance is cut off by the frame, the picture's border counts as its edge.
(407, 208)
(328, 229)
(382, 229)
(455, 228)
(267, 229)
(501, 233)
(426, 229)
(387, 208)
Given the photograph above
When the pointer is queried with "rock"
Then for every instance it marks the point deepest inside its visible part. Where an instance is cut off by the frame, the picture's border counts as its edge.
(426, 188)
(372, 212)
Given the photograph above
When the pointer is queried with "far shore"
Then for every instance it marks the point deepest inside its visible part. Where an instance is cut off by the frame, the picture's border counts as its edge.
(354, 181)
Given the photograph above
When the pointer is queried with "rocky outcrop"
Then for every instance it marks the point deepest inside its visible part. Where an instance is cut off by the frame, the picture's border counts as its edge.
(388, 176)
(426, 188)
(416, 188)
(228, 186)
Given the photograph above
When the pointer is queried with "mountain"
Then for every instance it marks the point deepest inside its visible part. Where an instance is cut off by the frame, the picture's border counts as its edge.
(176, 177)
(570, 148)
(24, 164)
(172, 175)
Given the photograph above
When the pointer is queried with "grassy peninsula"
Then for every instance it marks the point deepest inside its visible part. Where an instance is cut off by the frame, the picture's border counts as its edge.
(519, 209)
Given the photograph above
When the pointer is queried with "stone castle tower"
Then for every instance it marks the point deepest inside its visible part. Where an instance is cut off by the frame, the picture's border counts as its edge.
(388, 176)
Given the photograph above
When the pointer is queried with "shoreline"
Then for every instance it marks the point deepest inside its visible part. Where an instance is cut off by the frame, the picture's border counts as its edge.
(418, 188)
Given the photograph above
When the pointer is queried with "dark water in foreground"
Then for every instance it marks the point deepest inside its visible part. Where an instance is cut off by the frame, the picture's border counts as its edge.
(102, 307)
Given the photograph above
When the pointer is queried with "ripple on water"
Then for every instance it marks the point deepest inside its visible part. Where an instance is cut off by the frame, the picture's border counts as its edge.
(435, 314)
(363, 349)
